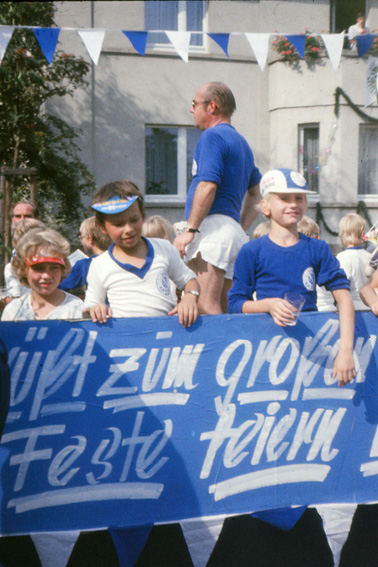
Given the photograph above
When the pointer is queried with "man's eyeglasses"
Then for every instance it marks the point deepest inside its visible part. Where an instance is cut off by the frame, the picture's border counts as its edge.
(196, 102)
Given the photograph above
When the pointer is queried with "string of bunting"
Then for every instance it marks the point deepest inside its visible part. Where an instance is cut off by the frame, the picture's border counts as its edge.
(180, 40)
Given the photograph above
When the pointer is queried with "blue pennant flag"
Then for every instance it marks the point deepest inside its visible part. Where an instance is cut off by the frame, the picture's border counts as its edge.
(364, 43)
(298, 42)
(129, 543)
(222, 40)
(283, 518)
(138, 40)
(47, 39)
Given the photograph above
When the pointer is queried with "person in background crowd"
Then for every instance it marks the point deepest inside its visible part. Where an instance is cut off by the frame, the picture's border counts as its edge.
(94, 242)
(24, 210)
(324, 300)
(158, 227)
(354, 258)
(357, 29)
(224, 173)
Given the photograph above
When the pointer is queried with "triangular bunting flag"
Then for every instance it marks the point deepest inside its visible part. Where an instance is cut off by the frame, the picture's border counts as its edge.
(201, 535)
(129, 542)
(5, 36)
(138, 40)
(283, 518)
(222, 40)
(337, 519)
(180, 41)
(93, 40)
(364, 43)
(334, 46)
(298, 42)
(54, 549)
(47, 39)
(260, 45)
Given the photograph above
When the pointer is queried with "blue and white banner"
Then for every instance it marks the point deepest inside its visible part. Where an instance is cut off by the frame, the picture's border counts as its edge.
(141, 421)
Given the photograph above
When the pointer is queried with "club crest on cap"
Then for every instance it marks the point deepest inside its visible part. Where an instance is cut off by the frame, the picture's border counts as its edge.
(283, 181)
(114, 205)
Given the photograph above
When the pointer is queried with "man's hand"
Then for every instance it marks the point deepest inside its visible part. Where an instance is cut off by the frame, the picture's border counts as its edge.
(183, 240)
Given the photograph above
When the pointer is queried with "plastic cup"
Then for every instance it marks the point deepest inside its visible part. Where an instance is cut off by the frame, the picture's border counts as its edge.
(297, 301)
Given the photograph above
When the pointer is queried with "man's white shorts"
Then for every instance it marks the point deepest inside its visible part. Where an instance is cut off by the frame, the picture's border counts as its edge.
(218, 242)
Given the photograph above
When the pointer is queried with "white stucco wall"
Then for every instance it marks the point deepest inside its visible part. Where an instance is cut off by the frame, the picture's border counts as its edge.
(127, 91)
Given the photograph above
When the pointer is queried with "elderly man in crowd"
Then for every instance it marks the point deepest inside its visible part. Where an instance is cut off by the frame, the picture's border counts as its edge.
(224, 174)
(24, 210)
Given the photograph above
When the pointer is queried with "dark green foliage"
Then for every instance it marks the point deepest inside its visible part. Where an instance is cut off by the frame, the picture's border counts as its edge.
(29, 137)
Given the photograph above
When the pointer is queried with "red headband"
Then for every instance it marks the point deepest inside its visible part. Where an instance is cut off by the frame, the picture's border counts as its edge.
(41, 257)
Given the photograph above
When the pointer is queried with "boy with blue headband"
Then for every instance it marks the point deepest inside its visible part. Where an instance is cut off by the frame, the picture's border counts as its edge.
(286, 260)
(133, 276)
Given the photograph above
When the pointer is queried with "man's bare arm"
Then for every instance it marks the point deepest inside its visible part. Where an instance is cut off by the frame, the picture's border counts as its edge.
(249, 211)
(203, 199)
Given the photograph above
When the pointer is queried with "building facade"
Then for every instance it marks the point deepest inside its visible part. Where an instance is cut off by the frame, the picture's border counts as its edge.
(134, 113)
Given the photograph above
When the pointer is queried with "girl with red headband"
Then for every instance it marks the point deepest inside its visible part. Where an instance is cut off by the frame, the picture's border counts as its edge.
(41, 263)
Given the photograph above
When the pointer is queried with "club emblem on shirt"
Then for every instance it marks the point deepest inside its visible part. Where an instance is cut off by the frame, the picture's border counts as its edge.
(162, 283)
(308, 279)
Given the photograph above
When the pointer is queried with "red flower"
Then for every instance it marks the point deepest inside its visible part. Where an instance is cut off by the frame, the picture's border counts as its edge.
(289, 51)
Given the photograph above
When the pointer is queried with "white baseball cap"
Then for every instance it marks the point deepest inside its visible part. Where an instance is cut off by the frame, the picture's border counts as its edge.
(283, 181)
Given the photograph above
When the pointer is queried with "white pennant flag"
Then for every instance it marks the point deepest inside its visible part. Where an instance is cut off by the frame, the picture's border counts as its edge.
(260, 45)
(337, 519)
(54, 548)
(201, 535)
(334, 46)
(92, 40)
(5, 35)
(180, 41)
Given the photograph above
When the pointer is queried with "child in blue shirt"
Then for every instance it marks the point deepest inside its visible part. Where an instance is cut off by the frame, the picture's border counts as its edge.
(287, 260)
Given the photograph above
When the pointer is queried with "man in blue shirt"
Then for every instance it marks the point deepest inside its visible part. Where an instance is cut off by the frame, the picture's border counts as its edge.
(224, 174)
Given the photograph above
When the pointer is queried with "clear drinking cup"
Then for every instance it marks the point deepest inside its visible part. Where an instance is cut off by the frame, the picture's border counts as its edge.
(297, 301)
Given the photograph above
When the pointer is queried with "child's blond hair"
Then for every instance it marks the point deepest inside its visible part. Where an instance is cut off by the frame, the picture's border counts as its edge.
(50, 241)
(352, 229)
(158, 227)
(309, 227)
(90, 227)
(23, 226)
(261, 229)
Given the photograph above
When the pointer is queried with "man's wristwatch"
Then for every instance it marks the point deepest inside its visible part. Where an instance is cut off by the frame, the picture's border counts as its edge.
(194, 292)
(188, 229)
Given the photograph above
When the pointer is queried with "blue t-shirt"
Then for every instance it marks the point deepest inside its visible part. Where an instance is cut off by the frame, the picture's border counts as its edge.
(78, 275)
(271, 270)
(223, 156)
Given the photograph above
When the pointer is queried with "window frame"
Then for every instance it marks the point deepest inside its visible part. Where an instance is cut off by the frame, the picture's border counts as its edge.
(181, 26)
(182, 185)
(365, 196)
(301, 136)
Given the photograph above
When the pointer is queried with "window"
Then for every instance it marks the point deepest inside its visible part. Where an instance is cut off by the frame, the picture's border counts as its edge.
(343, 13)
(308, 154)
(169, 157)
(368, 160)
(174, 16)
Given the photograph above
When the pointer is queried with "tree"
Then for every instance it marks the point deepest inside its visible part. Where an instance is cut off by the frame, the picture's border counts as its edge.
(29, 136)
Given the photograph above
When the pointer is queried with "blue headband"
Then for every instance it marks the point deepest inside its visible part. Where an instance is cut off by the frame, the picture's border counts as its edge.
(114, 205)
